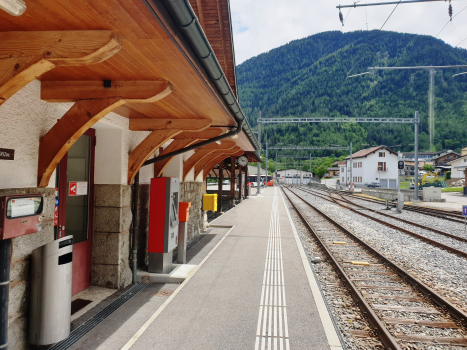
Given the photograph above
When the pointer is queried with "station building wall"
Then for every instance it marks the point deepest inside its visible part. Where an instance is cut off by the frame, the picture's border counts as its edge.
(26, 119)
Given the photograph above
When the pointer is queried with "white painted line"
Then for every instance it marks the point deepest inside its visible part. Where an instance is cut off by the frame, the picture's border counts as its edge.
(330, 331)
(143, 328)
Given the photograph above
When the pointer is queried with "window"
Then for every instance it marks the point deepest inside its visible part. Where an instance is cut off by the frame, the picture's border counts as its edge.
(342, 179)
(360, 164)
(382, 154)
(381, 166)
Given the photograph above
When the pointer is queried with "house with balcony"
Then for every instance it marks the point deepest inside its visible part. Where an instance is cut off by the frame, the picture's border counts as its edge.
(375, 164)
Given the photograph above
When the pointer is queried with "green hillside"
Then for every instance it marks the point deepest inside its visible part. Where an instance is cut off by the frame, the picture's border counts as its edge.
(307, 78)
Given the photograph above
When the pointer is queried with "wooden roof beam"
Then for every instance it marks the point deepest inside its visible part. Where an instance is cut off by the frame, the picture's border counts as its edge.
(180, 141)
(25, 56)
(188, 125)
(203, 152)
(83, 115)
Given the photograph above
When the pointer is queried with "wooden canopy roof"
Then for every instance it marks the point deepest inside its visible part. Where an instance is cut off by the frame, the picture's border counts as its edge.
(128, 57)
(151, 50)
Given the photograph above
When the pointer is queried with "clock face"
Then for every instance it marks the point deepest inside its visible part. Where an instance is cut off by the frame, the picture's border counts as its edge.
(243, 160)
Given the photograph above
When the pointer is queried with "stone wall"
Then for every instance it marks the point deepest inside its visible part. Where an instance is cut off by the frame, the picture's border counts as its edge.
(18, 307)
(391, 194)
(193, 192)
(111, 240)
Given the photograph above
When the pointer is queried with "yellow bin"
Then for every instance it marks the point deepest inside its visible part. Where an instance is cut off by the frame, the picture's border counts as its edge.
(210, 202)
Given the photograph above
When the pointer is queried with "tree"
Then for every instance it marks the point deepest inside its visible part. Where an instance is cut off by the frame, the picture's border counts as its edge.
(428, 167)
(448, 175)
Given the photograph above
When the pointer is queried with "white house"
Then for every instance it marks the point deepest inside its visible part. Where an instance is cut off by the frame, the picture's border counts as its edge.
(375, 164)
(458, 167)
(292, 176)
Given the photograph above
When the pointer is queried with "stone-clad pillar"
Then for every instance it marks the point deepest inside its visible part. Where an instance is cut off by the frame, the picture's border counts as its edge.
(111, 239)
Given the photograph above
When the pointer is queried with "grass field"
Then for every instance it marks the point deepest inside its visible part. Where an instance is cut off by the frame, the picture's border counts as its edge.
(452, 189)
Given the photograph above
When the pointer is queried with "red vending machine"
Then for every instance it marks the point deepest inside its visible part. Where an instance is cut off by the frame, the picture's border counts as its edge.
(163, 223)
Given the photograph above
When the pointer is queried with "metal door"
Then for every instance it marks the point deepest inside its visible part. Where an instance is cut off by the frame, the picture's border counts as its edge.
(392, 183)
(76, 206)
(384, 183)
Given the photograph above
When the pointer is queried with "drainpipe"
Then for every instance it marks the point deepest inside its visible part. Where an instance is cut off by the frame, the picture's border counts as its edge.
(134, 249)
(196, 145)
(5, 252)
(186, 20)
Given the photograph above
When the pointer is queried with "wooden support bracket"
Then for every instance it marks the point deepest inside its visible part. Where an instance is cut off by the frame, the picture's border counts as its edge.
(84, 114)
(208, 167)
(174, 146)
(25, 56)
(199, 167)
(182, 140)
(58, 140)
(203, 152)
(147, 147)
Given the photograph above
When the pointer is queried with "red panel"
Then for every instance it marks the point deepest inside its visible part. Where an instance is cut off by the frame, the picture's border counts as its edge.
(157, 215)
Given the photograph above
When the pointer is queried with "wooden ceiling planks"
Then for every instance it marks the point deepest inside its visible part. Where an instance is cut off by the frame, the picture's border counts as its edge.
(147, 53)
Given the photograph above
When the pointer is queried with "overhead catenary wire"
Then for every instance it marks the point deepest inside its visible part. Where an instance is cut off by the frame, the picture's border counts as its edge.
(450, 21)
(390, 15)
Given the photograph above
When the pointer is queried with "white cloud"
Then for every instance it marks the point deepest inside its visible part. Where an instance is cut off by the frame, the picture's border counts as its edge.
(261, 25)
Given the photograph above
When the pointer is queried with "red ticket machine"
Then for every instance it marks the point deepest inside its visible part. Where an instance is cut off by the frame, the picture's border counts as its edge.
(163, 223)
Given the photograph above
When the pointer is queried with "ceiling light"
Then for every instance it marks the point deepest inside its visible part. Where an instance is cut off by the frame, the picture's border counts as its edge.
(13, 7)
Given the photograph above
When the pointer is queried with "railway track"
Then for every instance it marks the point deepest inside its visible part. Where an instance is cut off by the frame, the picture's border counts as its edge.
(443, 214)
(338, 199)
(402, 309)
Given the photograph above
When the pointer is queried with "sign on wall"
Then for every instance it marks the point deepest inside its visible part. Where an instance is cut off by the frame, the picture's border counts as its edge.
(7, 154)
(78, 188)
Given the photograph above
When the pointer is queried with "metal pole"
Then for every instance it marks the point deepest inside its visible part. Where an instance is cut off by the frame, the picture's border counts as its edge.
(266, 157)
(300, 172)
(219, 187)
(398, 182)
(351, 165)
(431, 109)
(258, 177)
(275, 171)
(416, 154)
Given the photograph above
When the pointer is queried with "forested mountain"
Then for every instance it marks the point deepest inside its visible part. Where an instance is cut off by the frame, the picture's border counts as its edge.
(307, 78)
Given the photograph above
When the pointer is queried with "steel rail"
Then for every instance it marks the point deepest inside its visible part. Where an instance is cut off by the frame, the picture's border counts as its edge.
(387, 339)
(399, 219)
(455, 217)
(413, 234)
(457, 313)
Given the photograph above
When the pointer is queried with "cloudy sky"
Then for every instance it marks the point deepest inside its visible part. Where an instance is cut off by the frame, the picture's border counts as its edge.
(261, 25)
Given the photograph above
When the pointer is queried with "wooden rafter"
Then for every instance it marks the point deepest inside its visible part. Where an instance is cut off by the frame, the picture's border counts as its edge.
(188, 125)
(174, 146)
(208, 167)
(199, 3)
(199, 167)
(25, 56)
(83, 115)
(147, 147)
(221, 27)
(203, 152)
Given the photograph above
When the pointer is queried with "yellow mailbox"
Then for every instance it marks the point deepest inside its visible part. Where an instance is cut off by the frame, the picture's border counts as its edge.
(210, 202)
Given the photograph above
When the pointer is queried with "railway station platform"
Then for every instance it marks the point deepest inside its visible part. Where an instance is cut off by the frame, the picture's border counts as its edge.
(252, 288)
